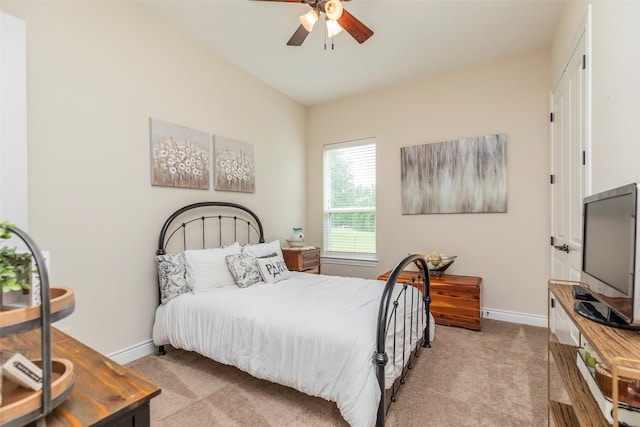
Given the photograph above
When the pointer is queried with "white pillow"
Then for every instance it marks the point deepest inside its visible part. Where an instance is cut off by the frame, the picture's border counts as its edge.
(207, 268)
(263, 249)
(273, 269)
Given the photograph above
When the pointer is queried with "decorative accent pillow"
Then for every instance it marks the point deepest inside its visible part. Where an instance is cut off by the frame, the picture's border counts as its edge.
(207, 268)
(171, 276)
(244, 269)
(263, 249)
(273, 269)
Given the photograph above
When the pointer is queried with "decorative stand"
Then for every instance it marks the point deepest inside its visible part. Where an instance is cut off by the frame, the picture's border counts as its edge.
(21, 405)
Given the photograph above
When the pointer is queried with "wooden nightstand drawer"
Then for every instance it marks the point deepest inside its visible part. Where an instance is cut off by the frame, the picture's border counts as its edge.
(310, 259)
(307, 260)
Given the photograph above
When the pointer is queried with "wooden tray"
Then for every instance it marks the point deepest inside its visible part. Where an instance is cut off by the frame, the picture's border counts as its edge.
(24, 319)
(22, 405)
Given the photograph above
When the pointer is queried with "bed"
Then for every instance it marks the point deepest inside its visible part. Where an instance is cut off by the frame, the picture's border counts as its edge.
(225, 293)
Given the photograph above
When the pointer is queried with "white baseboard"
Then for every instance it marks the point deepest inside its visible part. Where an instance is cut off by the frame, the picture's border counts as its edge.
(513, 317)
(134, 352)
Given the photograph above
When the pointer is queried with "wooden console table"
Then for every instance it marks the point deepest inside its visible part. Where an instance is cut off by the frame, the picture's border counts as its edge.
(104, 392)
(455, 300)
(606, 341)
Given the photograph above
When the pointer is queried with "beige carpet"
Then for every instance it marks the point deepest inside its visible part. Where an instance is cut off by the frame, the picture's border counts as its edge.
(496, 377)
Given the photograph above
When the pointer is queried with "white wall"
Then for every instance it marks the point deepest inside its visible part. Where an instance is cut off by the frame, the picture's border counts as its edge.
(508, 250)
(96, 72)
(616, 86)
(13, 122)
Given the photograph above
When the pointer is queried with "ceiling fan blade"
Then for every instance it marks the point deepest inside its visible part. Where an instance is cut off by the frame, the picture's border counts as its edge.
(298, 37)
(353, 26)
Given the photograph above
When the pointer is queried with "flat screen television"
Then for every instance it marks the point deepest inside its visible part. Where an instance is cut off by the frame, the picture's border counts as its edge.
(610, 258)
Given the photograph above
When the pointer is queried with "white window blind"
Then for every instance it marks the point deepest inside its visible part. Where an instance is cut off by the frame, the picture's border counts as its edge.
(350, 199)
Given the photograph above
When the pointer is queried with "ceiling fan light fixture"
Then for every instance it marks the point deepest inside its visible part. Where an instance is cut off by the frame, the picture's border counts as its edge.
(309, 19)
(333, 9)
(333, 28)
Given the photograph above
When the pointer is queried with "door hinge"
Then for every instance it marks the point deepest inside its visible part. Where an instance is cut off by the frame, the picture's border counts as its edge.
(553, 302)
(552, 178)
(551, 240)
(551, 117)
(584, 62)
(584, 157)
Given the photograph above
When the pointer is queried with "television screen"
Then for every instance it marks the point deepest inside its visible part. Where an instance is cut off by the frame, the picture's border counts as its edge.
(609, 233)
(610, 258)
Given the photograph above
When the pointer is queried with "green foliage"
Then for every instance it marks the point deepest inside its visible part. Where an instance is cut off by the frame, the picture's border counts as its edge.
(15, 268)
(345, 192)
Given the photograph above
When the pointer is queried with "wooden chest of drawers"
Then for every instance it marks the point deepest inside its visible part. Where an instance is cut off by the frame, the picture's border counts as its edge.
(306, 260)
(455, 300)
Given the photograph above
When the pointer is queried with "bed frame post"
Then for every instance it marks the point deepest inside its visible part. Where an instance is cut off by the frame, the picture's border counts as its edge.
(380, 357)
(381, 360)
(426, 292)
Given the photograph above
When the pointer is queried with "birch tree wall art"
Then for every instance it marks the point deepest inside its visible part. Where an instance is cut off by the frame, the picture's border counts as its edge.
(462, 176)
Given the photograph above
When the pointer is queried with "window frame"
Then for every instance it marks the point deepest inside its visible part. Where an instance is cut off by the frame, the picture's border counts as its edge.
(342, 257)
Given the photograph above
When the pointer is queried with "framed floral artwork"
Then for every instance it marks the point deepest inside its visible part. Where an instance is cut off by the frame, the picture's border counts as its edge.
(234, 167)
(179, 156)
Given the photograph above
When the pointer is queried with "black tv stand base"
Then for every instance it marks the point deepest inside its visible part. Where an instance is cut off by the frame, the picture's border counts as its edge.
(602, 313)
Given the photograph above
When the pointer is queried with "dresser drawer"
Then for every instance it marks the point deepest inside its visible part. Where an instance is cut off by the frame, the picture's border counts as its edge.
(310, 259)
(306, 260)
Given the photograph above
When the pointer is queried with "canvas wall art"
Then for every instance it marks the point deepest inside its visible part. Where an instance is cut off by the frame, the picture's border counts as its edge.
(179, 156)
(462, 176)
(234, 167)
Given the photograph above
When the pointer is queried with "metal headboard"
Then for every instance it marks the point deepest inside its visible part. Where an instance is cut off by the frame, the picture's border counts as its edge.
(249, 222)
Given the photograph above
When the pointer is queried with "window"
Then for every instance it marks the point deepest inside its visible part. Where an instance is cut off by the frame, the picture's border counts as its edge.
(350, 200)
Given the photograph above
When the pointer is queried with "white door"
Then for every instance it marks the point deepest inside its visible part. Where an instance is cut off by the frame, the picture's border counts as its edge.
(569, 163)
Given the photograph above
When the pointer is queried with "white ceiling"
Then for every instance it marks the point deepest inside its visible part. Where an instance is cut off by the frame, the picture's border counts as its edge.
(412, 39)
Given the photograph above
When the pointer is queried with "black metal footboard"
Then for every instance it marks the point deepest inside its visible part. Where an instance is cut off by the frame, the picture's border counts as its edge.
(391, 316)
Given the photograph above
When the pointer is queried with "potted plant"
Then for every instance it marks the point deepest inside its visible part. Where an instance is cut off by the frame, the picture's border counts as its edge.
(15, 267)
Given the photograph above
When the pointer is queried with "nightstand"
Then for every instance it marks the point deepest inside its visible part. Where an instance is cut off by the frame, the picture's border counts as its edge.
(306, 259)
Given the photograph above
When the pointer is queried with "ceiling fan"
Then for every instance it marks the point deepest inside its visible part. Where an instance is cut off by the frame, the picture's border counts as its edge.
(336, 18)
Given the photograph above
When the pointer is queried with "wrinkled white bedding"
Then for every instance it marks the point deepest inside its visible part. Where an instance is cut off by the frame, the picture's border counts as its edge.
(314, 333)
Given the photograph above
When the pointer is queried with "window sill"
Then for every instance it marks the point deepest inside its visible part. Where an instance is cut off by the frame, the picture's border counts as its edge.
(359, 262)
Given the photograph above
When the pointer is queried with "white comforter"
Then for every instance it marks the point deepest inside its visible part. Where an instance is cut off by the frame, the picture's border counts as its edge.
(314, 333)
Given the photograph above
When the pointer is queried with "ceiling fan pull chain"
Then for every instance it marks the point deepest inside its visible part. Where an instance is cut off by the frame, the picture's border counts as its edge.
(325, 37)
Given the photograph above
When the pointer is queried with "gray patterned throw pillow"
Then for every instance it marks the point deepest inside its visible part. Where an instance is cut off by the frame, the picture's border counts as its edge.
(244, 269)
(171, 275)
